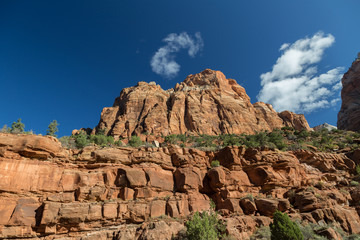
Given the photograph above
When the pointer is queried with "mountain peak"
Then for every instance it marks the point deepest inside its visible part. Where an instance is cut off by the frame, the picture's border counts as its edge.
(204, 103)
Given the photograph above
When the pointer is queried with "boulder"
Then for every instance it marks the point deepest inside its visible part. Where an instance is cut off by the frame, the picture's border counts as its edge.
(24, 212)
(266, 207)
(32, 146)
(188, 179)
(160, 178)
(112, 155)
(248, 206)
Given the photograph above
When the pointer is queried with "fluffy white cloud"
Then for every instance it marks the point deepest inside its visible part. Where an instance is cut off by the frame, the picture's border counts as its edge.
(294, 83)
(163, 62)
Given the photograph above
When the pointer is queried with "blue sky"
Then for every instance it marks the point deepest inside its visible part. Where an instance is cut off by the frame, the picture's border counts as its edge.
(66, 60)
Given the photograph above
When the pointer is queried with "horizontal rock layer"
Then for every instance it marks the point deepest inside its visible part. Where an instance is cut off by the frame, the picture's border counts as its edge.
(205, 103)
(146, 193)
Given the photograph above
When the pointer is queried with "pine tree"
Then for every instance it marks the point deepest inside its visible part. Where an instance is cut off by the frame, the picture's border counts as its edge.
(17, 127)
(5, 129)
(52, 129)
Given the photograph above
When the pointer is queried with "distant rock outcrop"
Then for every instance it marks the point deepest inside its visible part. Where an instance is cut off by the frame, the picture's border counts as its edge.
(205, 103)
(324, 126)
(349, 115)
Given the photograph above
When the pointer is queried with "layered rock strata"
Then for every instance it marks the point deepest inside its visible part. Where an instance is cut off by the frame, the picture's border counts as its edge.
(47, 192)
(205, 103)
(349, 114)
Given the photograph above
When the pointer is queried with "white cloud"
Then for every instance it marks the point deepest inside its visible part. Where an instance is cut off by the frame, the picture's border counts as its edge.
(294, 83)
(163, 62)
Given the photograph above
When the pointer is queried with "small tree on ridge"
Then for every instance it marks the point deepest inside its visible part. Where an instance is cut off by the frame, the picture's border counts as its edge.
(52, 128)
(17, 127)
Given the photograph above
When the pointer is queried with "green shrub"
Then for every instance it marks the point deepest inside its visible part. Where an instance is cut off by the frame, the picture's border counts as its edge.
(135, 141)
(175, 138)
(52, 128)
(308, 231)
(349, 139)
(205, 225)
(277, 138)
(354, 183)
(171, 139)
(212, 205)
(81, 140)
(262, 233)
(282, 228)
(291, 137)
(251, 141)
(315, 134)
(101, 131)
(68, 142)
(118, 143)
(326, 139)
(182, 137)
(287, 129)
(230, 140)
(17, 127)
(102, 140)
(324, 131)
(261, 138)
(303, 134)
(295, 147)
(205, 141)
(215, 163)
(357, 169)
(355, 134)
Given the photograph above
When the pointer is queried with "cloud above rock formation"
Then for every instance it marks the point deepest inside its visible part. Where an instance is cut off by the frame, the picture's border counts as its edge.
(294, 83)
(163, 62)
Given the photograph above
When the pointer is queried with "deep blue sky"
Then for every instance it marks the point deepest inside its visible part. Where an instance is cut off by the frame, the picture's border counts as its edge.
(66, 60)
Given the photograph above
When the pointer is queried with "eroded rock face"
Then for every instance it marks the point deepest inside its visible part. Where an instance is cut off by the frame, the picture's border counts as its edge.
(205, 103)
(147, 193)
(349, 114)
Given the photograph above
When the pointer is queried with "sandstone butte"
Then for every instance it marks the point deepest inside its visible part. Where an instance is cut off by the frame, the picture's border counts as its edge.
(205, 103)
(48, 192)
(349, 114)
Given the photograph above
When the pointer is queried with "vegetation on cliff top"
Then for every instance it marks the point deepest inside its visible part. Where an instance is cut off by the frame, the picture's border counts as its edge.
(285, 139)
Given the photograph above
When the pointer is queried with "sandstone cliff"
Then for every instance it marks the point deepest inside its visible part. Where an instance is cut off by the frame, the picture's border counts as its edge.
(48, 192)
(205, 103)
(349, 115)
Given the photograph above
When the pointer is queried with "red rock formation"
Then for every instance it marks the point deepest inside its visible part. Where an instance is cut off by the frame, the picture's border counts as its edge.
(48, 192)
(205, 103)
(349, 114)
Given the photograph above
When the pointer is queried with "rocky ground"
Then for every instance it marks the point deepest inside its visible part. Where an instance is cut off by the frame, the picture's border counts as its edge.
(48, 192)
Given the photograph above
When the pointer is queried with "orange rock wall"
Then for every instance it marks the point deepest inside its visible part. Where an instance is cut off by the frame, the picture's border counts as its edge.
(97, 193)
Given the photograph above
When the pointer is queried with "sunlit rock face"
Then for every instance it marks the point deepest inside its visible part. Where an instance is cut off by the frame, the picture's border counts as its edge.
(48, 192)
(349, 115)
(204, 103)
